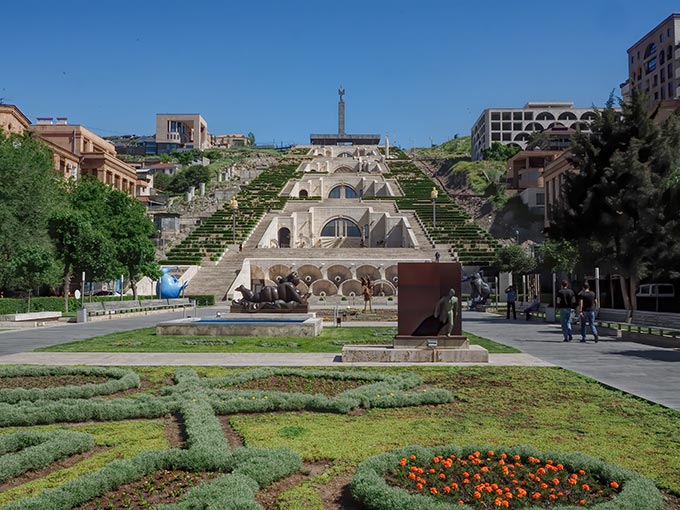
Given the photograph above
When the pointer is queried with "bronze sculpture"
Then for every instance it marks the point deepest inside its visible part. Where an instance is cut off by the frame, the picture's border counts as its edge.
(283, 295)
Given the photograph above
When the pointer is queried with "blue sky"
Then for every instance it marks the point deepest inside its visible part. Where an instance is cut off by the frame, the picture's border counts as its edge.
(423, 71)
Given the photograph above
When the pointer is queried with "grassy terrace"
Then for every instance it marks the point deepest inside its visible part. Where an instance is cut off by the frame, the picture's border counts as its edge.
(474, 245)
(210, 239)
(331, 340)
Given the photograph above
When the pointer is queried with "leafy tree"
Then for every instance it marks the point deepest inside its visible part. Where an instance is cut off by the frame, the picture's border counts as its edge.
(191, 176)
(559, 256)
(186, 157)
(251, 138)
(34, 265)
(500, 152)
(29, 193)
(131, 231)
(161, 181)
(81, 247)
(617, 205)
(514, 259)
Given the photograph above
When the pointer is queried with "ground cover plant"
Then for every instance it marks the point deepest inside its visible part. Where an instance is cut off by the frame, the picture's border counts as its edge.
(512, 478)
(316, 427)
(331, 340)
(237, 474)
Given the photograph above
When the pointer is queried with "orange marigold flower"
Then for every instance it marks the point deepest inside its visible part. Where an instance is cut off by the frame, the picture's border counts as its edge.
(413, 457)
(461, 502)
(490, 452)
(585, 487)
(466, 474)
(582, 502)
(466, 480)
(484, 469)
(419, 486)
(432, 471)
(614, 485)
(536, 495)
(477, 494)
(436, 459)
(540, 471)
(516, 457)
(454, 486)
(572, 481)
(581, 472)
(412, 476)
(504, 455)
(442, 476)
(544, 485)
(477, 476)
(433, 490)
(555, 481)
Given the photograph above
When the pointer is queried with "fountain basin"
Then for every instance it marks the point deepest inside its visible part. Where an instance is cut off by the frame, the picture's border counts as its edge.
(240, 324)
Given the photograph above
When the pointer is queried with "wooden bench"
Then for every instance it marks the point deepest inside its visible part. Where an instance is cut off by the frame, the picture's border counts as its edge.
(669, 322)
(95, 308)
(521, 307)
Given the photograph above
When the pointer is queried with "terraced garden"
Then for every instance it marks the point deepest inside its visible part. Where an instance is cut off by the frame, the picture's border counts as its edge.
(208, 241)
(290, 439)
(474, 245)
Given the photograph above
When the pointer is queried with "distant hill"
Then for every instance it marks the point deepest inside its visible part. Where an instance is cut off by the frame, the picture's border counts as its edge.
(455, 148)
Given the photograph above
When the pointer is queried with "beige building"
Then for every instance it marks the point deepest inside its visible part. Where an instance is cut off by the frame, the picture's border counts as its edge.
(526, 168)
(186, 130)
(230, 141)
(514, 126)
(95, 156)
(554, 176)
(654, 63)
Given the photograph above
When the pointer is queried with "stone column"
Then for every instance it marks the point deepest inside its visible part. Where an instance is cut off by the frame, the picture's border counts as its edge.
(201, 189)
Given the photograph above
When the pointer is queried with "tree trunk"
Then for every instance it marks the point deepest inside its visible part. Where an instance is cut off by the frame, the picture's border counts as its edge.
(633, 287)
(624, 293)
(29, 301)
(67, 284)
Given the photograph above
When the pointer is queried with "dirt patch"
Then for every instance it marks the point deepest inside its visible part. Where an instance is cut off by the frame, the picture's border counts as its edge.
(268, 496)
(175, 431)
(55, 466)
(297, 384)
(670, 501)
(49, 381)
(336, 494)
(159, 488)
(233, 438)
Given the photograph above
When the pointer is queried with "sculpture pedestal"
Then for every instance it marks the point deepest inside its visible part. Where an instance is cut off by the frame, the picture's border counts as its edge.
(236, 308)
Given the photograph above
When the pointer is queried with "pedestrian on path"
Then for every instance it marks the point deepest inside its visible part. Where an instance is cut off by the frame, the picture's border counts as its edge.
(587, 306)
(566, 299)
(511, 297)
(436, 256)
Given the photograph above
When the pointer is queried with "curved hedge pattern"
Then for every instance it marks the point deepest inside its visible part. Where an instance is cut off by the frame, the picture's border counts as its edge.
(122, 379)
(199, 401)
(370, 487)
(26, 451)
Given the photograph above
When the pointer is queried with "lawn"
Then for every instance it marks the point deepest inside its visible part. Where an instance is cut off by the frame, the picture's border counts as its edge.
(547, 408)
(331, 340)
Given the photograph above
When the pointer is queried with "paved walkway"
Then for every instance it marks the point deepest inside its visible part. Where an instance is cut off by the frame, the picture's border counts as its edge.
(652, 373)
(648, 372)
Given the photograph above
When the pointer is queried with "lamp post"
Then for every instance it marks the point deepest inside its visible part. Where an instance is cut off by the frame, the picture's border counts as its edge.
(433, 195)
(233, 205)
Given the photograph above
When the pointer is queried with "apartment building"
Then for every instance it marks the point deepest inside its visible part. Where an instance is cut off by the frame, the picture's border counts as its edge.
(515, 126)
(181, 130)
(654, 63)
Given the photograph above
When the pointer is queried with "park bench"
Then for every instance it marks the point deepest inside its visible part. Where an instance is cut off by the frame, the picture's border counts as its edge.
(665, 322)
(521, 307)
(117, 307)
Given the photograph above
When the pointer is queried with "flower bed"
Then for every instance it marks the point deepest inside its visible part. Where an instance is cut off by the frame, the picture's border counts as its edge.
(512, 478)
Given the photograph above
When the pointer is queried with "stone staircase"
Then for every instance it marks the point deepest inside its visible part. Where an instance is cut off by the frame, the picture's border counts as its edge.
(215, 279)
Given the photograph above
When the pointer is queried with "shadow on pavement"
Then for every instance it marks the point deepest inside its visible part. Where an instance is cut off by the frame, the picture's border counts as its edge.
(672, 356)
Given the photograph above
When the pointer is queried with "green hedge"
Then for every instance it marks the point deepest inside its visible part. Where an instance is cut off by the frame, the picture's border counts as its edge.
(202, 299)
(121, 379)
(371, 489)
(24, 451)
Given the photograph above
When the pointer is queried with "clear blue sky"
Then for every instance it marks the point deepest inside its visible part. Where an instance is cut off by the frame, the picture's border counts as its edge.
(422, 70)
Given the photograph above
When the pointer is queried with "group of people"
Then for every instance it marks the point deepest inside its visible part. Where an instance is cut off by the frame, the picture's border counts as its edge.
(585, 303)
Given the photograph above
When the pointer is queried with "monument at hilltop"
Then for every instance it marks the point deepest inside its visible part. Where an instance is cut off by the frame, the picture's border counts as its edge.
(343, 138)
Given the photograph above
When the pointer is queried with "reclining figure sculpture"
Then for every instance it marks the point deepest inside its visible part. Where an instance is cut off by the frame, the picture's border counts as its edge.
(283, 295)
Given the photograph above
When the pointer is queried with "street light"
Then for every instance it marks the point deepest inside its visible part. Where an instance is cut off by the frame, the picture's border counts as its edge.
(233, 205)
(433, 195)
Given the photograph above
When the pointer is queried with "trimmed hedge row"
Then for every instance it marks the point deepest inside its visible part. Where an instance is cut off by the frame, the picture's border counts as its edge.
(25, 451)
(371, 489)
(122, 379)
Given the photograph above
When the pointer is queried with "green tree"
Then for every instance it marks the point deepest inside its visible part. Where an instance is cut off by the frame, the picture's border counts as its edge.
(161, 181)
(29, 193)
(191, 176)
(617, 206)
(251, 138)
(500, 152)
(559, 256)
(131, 231)
(514, 259)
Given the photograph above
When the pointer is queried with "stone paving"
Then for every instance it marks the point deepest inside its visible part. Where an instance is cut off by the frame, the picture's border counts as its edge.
(647, 372)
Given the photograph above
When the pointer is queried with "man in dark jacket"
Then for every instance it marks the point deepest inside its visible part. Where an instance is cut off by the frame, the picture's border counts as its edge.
(566, 299)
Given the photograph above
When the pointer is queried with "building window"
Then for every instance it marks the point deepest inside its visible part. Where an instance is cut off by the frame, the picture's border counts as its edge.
(506, 115)
(540, 198)
(663, 93)
(655, 81)
(517, 116)
(650, 66)
(669, 69)
(662, 74)
(517, 126)
(506, 137)
(656, 96)
(495, 126)
(661, 37)
(670, 90)
(669, 52)
(506, 126)
(495, 116)
(528, 115)
(662, 58)
(545, 116)
(495, 137)
(632, 59)
(340, 227)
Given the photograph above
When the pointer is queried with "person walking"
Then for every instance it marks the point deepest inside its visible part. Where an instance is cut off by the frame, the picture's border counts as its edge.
(511, 297)
(565, 302)
(437, 256)
(587, 306)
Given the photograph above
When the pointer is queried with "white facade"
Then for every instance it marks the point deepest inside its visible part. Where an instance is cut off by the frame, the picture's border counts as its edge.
(514, 126)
